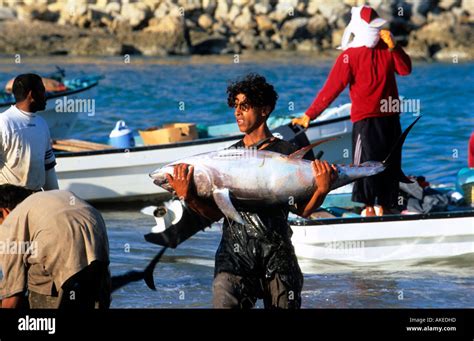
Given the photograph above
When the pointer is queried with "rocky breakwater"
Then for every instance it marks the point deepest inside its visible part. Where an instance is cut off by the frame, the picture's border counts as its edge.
(439, 29)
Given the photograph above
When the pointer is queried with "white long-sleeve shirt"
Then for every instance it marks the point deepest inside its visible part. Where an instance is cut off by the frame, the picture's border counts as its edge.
(26, 154)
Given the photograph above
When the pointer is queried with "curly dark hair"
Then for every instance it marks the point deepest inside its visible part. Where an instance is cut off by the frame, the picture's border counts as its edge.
(11, 196)
(259, 93)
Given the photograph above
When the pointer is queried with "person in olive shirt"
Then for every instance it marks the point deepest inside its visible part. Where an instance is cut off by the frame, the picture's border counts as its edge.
(255, 261)
(65, 263)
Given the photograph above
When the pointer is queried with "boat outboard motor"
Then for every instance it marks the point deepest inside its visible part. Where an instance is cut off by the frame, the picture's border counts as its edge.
(175, 223)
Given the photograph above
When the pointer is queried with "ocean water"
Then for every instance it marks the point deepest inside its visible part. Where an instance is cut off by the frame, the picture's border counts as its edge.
(148, 92)
(183, 277)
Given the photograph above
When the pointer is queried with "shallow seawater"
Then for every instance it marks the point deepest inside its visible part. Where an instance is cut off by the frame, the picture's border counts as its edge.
(183, 277)
(149, 92)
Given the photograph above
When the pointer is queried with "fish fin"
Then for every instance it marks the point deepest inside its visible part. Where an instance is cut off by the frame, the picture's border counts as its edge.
(396, 150)
(134, 276)
(300, 153)
(128, 277)
(148, 273)
(222, 198)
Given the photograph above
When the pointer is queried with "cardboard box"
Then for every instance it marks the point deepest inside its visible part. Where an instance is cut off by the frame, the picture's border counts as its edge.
(170, 133)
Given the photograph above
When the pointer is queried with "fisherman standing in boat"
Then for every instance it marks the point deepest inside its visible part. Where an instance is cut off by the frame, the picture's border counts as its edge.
(54, 245)
(368, 64)
(255, 260)
(26, 156)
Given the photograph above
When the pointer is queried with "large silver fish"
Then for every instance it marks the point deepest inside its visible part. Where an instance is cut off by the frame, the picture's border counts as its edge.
(264, 177)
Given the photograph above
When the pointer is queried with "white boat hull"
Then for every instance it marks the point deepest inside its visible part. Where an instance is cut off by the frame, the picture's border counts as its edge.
(60, 124)
(367, 241)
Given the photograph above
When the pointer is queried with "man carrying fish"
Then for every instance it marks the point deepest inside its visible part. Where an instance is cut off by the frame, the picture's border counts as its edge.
(255, 259)
(368, 64)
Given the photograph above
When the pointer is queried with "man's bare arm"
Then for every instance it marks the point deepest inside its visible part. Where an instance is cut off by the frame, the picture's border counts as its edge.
(12, 302)
(206, 208)
(51, 180)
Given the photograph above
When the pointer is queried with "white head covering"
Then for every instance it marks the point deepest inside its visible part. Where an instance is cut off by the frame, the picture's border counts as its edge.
(366, 31)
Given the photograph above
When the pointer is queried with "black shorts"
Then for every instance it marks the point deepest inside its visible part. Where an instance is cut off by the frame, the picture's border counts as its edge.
(88, 289)
(373, 140)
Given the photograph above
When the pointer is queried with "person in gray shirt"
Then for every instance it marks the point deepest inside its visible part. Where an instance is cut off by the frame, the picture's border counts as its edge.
(55, 246)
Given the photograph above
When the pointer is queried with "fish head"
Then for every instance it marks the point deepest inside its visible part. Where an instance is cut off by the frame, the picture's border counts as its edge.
(160, 178)
(201, 178)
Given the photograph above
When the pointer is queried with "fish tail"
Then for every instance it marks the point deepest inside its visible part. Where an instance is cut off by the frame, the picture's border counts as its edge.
(148, 273)
(396, 151)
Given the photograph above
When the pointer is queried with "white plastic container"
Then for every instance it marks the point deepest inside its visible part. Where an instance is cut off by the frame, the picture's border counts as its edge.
(121, 136)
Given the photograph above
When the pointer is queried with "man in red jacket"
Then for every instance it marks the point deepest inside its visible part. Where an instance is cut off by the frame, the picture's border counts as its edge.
(368, 64)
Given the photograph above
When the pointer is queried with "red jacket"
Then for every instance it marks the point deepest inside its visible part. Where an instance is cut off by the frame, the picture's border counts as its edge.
(371, 75)
(470, 158)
